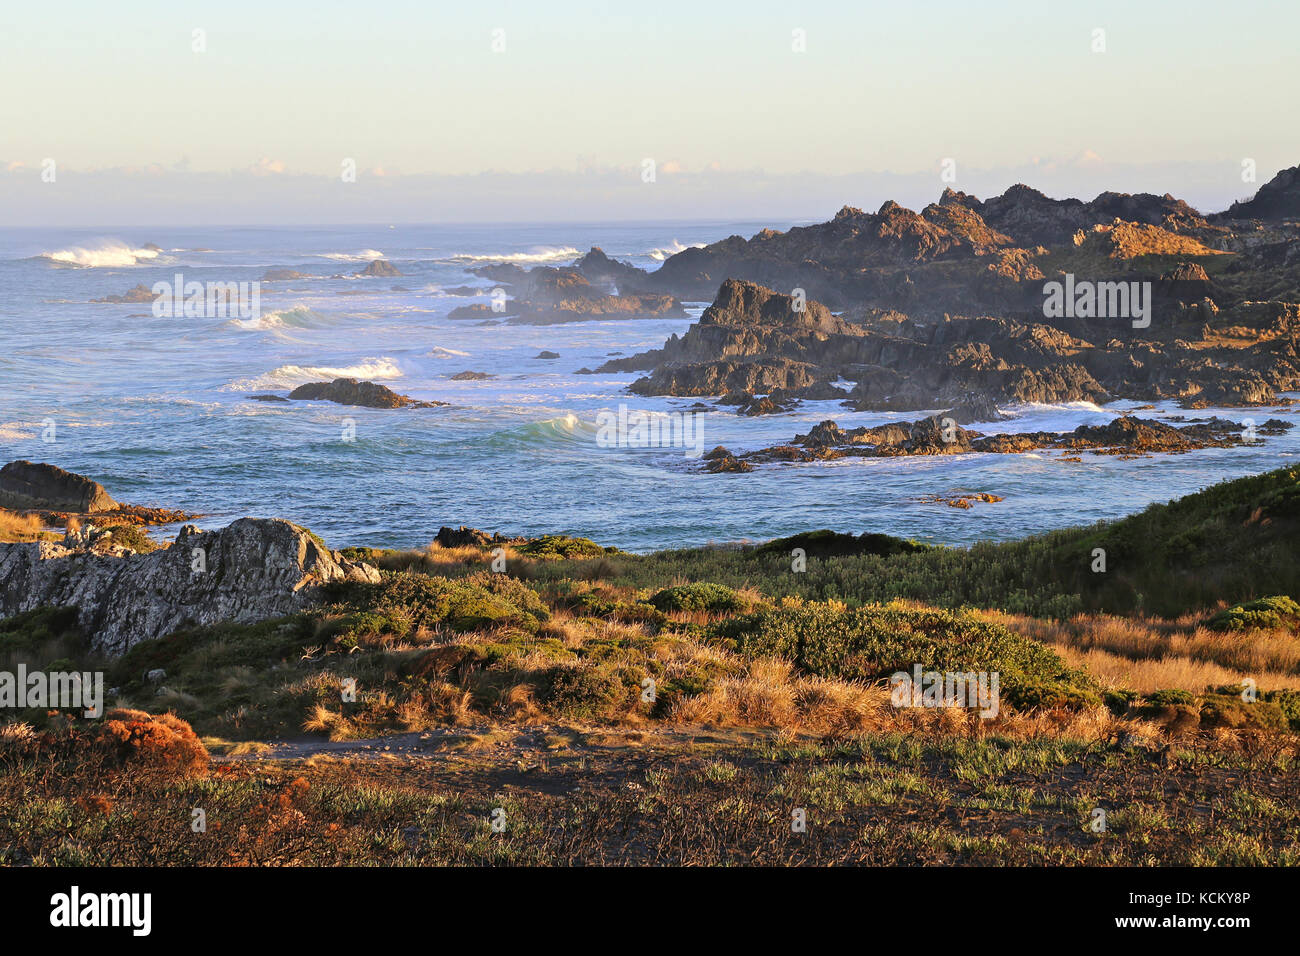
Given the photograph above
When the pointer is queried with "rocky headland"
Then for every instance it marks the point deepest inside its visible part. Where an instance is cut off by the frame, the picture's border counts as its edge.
(924, 310)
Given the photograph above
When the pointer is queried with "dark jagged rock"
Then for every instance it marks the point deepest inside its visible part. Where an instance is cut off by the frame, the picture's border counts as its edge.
(468, 376)
(974, 408)
(1279, 198)
(546, 354)
(380, 267)
(599, 268)
(139, 293)
(26, 485)
(268, 398)
(719, 461)
(484, 310)
(940, 435)
(351, 391)
(764, 406)
(754, 340)
(465, 537)
(545, 295)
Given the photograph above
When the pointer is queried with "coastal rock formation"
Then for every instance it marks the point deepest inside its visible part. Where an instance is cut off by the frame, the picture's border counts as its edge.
(941, 435)
(250, 571)
(26, 485)
(754, 340)
(379, 267)
(351, 391)
(465, 537)
(139, 293)
(545, 295)
(1279, 198)
(600, 269)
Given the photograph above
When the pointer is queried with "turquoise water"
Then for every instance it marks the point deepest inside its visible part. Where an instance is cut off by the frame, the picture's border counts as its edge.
(158, 409)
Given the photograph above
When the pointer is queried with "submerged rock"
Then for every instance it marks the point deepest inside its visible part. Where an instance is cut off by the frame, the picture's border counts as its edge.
(250, 571)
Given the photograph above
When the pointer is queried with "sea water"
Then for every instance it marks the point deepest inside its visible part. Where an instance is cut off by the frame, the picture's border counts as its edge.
(159, 408)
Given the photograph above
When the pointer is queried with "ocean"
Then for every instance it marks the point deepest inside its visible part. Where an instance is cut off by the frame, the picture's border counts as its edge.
(159, 409)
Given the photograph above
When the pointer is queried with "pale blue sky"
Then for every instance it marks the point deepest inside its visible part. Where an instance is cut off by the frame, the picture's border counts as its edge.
(414, 88)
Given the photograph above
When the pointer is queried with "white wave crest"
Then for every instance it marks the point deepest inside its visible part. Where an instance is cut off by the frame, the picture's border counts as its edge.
(298, 317)
(365, 255)
(538, 254)
(16, 431)
(107, 253)
(439, 352)
(290, 376)
(659, 255)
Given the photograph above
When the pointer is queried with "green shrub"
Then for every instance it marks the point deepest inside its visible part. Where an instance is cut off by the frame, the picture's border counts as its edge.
(556, 546)
(697, 596)
(1235, 713)
(44, 627)
(1169, 698)
(134, 537)
(1269, 612)
(872, 642)
(1119, 701)
(404, 601)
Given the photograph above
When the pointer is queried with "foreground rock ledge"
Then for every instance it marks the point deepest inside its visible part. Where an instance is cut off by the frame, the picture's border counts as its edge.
(250, 571)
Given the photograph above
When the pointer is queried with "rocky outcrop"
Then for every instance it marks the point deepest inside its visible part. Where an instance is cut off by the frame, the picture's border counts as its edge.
(140, 293)
(600, 269)
(941, 435)
(1279, 198)
(753, 340)
(466, 537)
(381, 268)
(546, 295)
(26, 485)
(283, 275)
(250, 571)
(351, 391)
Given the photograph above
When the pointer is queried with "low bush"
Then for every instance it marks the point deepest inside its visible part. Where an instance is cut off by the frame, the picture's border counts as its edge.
(872, 642)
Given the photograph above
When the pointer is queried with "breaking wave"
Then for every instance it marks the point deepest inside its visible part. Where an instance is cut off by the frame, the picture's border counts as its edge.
(291, 376)
(298, 317)
(538, 254)
(109, 253)
(659, 255)
(365, 255)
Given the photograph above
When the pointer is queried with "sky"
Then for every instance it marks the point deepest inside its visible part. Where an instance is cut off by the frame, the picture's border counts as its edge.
(482, 111)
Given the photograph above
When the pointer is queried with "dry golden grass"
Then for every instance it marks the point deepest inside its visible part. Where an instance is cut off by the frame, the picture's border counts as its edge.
(1148, 654)
(20, 527)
